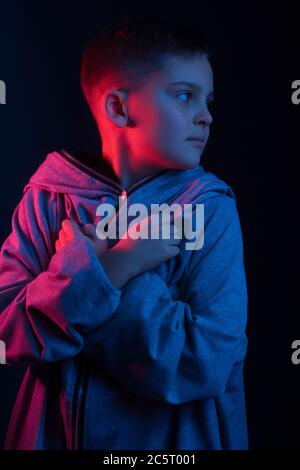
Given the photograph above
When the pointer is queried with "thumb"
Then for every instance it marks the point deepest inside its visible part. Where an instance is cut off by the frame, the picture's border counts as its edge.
(71, 227)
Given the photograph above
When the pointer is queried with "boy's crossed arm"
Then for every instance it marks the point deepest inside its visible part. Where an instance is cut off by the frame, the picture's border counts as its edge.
(48, 303)
(180, 351)
(174, 351)
(128, 257)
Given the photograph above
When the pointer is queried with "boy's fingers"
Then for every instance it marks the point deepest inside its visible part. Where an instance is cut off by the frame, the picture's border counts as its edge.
(62, 237)
(71, 227)
(171, 231)
(57, 245)
(174, 250)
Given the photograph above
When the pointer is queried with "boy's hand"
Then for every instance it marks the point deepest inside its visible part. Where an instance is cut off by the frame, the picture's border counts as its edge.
(130, 257)
(71, 230)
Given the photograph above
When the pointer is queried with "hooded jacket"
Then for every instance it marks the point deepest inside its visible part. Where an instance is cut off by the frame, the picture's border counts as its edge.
(156, 364)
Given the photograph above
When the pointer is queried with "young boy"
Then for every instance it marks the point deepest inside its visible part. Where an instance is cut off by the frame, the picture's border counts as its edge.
(129, 343)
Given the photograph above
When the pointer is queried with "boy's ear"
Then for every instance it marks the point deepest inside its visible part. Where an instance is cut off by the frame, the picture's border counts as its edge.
(116, 107)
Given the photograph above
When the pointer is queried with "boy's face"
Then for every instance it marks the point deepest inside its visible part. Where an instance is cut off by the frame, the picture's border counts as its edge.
(167, 115)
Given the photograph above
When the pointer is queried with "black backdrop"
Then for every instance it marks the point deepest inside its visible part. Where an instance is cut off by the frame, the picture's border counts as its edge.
(252, 147)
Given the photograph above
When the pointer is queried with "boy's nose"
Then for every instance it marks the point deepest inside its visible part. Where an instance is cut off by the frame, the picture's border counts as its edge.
(203, 117)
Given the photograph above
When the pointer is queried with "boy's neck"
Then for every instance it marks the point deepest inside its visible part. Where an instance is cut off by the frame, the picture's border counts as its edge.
(121, 176)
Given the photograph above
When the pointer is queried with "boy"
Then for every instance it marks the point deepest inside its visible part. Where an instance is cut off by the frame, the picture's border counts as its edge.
(130, 344)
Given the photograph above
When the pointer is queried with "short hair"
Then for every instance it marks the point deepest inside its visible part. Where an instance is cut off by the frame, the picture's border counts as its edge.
(132, 48)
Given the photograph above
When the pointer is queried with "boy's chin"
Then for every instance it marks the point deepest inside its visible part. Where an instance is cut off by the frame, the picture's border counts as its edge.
(190, 163)
(184, 163)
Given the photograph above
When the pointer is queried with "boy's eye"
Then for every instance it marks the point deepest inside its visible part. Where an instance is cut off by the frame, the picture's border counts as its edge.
(189, 93)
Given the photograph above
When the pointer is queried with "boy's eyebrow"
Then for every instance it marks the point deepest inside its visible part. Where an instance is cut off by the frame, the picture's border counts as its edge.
(193, 85)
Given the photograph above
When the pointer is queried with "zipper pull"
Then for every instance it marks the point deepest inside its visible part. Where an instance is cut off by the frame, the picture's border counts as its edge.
(123, 198)
(121, 222)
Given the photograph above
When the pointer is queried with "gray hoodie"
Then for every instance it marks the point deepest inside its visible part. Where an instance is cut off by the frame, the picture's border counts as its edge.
(157, 364)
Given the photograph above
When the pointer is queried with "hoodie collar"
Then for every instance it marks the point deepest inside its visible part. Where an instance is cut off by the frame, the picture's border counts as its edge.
(105, 179)
(64, 173)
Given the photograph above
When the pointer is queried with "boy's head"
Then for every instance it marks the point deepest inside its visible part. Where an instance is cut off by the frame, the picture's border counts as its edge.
(128, 72)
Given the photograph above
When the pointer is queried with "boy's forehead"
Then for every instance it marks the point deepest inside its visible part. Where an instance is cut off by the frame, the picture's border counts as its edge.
(195, 69)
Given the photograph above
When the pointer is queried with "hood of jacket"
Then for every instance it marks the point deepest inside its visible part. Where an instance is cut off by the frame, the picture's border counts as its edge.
(64, 172)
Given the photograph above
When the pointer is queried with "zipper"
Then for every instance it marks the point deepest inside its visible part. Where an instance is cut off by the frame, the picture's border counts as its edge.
(82, 374)
(78, 404)
(118, 188)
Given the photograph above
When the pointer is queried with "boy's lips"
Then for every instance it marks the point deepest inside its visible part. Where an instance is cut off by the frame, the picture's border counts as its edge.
(201, 139)
(197, 141)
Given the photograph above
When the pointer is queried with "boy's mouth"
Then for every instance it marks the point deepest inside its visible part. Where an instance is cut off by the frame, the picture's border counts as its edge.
(199, 142)
(200, 138)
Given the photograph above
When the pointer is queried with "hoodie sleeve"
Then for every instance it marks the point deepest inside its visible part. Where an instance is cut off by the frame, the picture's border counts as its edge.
(48, 300)
(177, 351)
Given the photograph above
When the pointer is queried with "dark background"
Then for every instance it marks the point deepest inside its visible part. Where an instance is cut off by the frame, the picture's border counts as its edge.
(253, 147)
